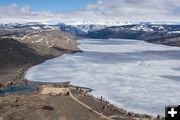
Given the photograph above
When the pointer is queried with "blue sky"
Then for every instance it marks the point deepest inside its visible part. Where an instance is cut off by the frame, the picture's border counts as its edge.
(91, 11)
(51, 5)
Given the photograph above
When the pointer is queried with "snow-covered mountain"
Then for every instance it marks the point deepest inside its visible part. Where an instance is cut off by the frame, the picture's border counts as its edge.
(149, 31)
(30, 25)
(120, 23)
(81, 29)
(118, 30)
(102, 23)
(85, 29)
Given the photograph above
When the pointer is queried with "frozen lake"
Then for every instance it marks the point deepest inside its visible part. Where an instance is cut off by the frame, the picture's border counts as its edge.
(134, 75)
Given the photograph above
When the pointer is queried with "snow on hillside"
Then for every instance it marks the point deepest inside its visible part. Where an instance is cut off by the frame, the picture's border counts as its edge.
(142, 27)
(89, 28)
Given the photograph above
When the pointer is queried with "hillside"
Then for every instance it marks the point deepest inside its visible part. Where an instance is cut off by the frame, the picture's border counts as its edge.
(18, 52)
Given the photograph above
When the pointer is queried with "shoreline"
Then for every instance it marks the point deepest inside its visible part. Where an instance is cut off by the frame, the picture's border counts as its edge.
(19, 77)
(21, 80)
(100, 98)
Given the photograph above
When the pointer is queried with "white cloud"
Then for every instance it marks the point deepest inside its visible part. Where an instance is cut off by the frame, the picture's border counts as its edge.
(102, 10)
(137, 9)
(14, 13)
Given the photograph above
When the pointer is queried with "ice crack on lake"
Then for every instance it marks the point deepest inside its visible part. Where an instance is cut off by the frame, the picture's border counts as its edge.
(135, 75)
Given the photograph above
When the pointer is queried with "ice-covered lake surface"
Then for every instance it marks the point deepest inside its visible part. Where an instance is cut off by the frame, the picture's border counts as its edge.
(134, 75)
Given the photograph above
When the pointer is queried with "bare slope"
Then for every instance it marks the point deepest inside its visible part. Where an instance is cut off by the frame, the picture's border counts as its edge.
(41, 107)
(18, 52)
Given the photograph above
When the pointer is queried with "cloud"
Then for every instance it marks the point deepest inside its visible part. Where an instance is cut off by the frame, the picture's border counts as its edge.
(101, 11)
(137, 9)
(15, 13)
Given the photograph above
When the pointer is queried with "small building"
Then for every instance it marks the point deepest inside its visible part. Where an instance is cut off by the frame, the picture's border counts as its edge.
(50, 90)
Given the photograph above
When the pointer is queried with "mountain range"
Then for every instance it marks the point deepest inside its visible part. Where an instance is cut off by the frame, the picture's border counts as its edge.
(24, 45)
(163, 33)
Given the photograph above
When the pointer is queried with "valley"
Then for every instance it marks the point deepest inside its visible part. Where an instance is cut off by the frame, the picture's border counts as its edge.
(25, 45)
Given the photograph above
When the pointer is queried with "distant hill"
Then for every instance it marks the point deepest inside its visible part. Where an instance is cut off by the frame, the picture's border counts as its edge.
(151, 32)
(22, 49)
